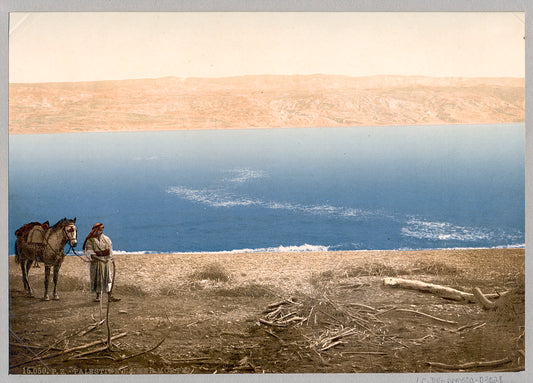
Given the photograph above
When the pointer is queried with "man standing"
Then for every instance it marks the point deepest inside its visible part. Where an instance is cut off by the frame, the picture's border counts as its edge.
(99, 249)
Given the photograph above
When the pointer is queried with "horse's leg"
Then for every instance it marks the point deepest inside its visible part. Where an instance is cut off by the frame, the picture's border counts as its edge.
(27, 288)
(56, 275)
(28, 266)
(46, 276)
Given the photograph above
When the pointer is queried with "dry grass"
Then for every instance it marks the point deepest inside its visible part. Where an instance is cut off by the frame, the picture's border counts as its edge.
(380, 269)
(213, 272)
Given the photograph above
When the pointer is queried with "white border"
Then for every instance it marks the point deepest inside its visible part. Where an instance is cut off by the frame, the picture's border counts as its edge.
(7, 6)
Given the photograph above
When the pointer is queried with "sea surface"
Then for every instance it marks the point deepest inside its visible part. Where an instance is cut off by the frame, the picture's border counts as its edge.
(361, 188)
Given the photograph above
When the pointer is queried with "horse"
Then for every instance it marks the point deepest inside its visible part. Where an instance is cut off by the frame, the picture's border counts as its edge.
(50, 252)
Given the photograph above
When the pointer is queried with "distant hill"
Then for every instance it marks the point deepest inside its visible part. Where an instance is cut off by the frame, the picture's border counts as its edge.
(262, 102)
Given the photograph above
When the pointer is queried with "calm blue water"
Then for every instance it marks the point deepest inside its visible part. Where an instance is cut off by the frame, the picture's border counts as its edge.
(327, 188)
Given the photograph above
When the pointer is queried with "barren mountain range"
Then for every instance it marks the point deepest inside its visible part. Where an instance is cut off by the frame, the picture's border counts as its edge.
(262, 102)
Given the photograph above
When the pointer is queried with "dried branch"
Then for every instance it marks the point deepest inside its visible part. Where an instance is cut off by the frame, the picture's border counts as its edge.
(287, 315)
(475, 324)
(385, 311)
(464, 366)
(425, 315)
(362, 306)
(332, 345)
(269, 323)
(190, 359)
(272, 313)
(77, 356)
(309, 316)
(82, 347)
(289, 301)
(92, 327)
(77, 333)
(479, 326)
(331, 316)
(482, 300)
(142, 353)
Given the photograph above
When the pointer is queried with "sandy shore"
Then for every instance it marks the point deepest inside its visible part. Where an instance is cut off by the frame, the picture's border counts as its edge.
(293, 271)
(210, 310)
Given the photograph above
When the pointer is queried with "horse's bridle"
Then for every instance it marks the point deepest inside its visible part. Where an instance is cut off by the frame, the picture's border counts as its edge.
(69, 231)
(66, 235)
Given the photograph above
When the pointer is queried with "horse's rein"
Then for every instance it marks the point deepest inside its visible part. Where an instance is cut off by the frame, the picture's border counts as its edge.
(50, 246)
(82, 257)
(68, 240)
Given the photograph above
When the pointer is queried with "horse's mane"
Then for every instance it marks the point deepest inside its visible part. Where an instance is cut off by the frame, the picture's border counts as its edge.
(61, 223)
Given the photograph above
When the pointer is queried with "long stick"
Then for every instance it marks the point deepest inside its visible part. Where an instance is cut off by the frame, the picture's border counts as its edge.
(466, 326)
(264, 321)
(423, 314)
(332, 345)
(143, 352)
(363, 306)
(88, 353)
(80, 333)
(491, 363)
(107, 311)
(92, 327)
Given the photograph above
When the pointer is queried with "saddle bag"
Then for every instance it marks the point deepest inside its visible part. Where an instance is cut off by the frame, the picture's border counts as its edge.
(36, 235)
(33, 232)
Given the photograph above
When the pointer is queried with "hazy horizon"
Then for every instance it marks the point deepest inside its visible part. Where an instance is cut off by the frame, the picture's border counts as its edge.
(273, 75)
(47, 47)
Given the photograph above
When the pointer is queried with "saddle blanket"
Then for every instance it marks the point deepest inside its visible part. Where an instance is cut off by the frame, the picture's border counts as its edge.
(33, 232)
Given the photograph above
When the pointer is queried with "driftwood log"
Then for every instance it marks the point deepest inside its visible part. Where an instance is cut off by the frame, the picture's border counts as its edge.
(442, 291)
(482, 299)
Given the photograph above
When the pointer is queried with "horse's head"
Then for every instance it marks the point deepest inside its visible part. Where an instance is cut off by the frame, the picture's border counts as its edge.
(70, 231)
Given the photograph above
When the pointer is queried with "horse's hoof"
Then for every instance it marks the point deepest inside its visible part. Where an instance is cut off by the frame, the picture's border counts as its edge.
(46, 298)
(56, 297)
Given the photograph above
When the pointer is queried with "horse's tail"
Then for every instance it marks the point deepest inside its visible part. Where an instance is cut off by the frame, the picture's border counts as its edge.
(18, 258)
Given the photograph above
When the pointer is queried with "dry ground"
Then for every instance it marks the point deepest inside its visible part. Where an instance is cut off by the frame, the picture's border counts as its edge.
(274, 313)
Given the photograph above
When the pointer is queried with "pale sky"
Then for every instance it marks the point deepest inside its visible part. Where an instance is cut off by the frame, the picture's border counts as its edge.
(54, 47)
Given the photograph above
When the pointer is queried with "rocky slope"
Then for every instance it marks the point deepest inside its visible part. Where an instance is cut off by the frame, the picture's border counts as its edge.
(262, 102)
